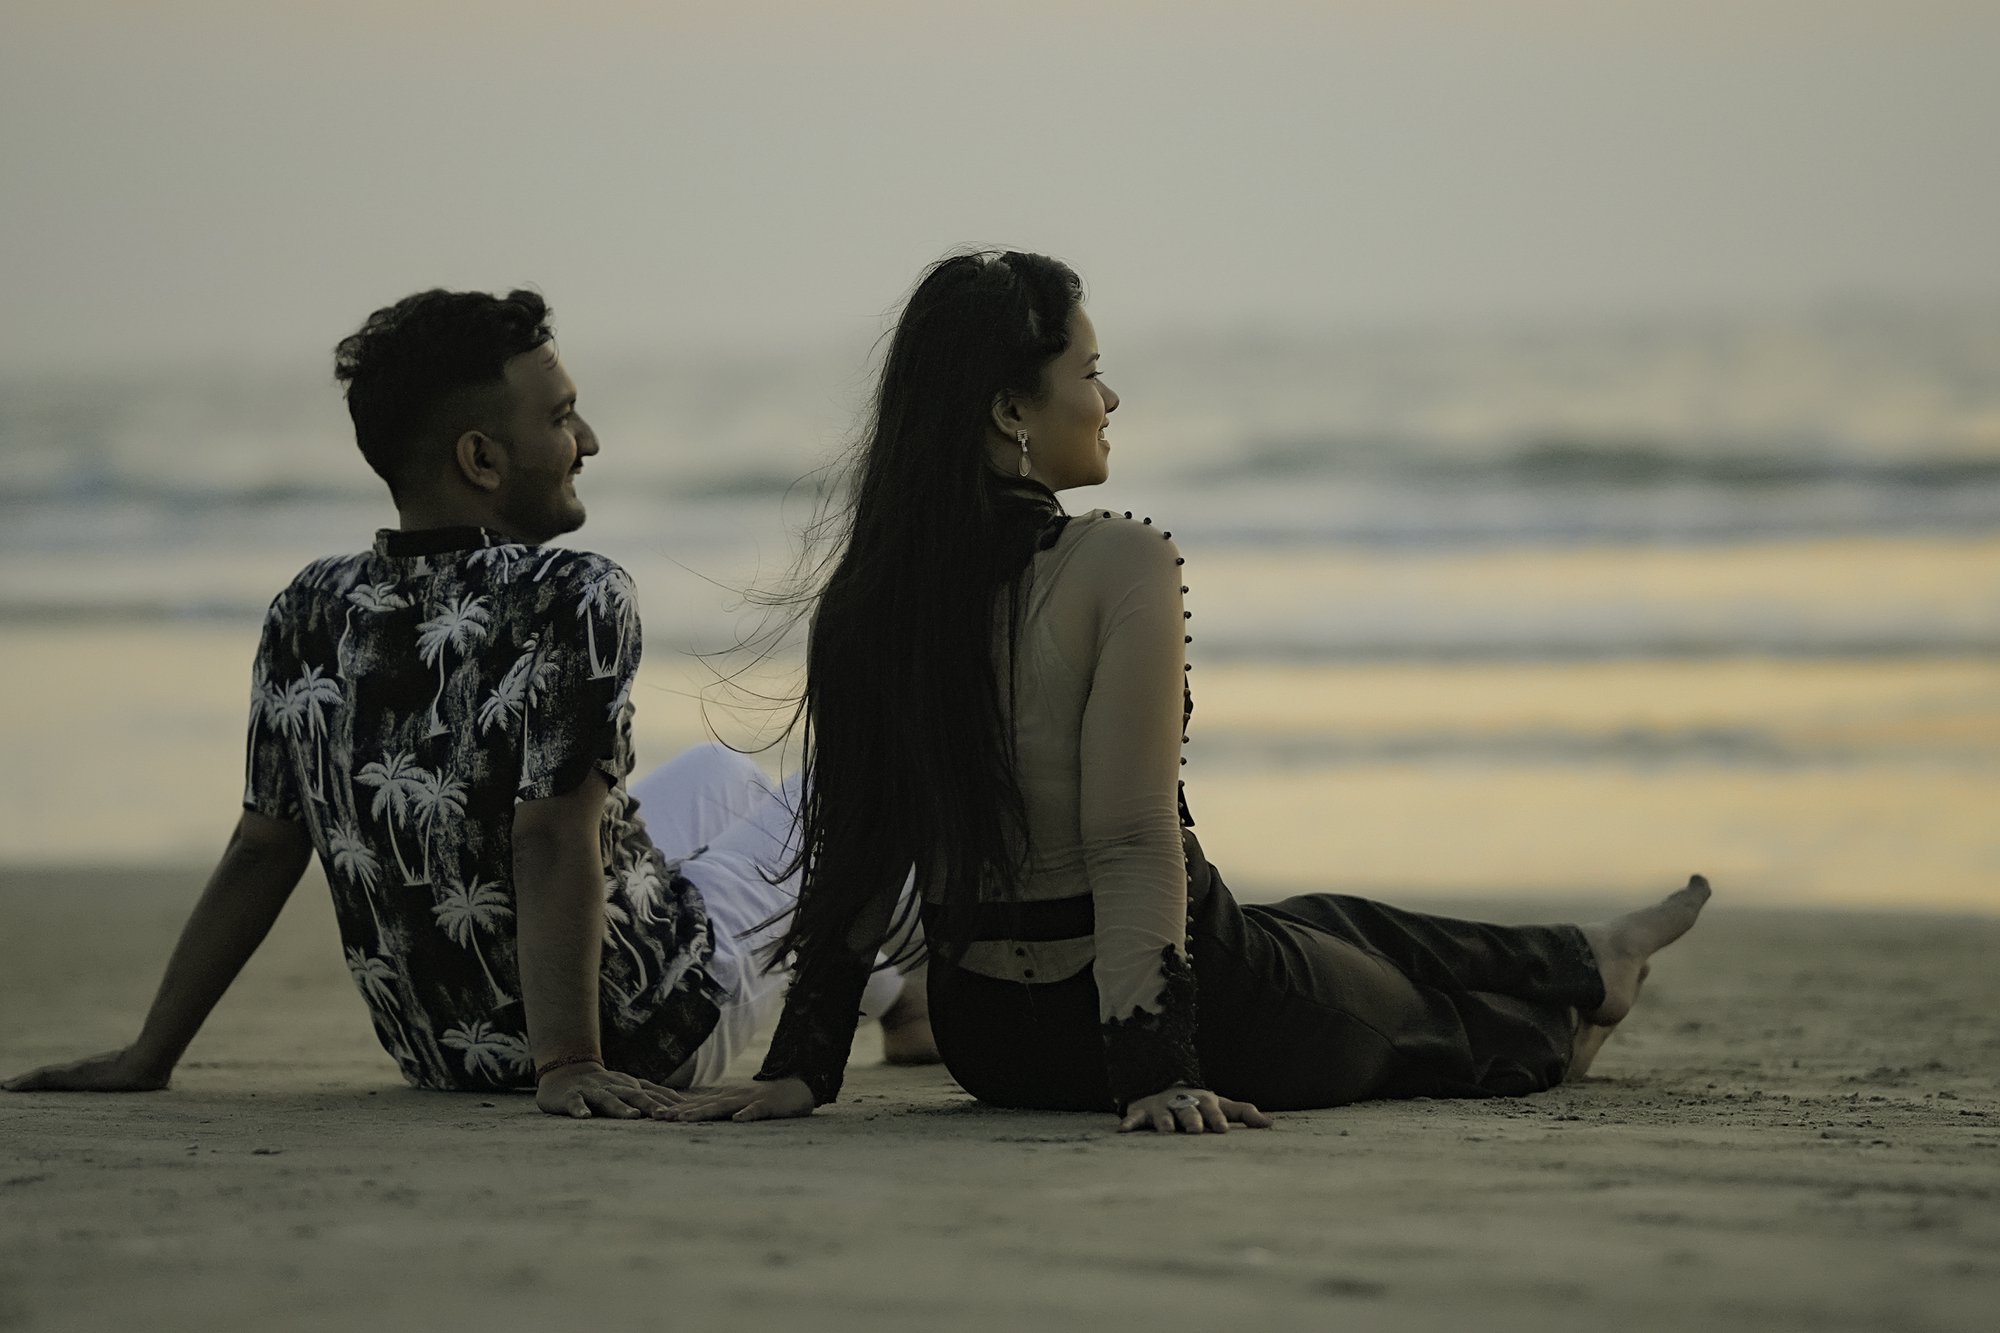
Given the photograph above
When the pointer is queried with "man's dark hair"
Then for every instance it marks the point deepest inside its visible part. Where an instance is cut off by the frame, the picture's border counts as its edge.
(414, 370)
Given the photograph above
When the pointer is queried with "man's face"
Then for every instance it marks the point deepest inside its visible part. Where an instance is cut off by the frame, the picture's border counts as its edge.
(544, 443)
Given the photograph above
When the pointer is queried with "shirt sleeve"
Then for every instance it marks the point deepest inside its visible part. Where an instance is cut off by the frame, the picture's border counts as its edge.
(1131, 816)
(270, 778)
(577, 685)
(816, 1031)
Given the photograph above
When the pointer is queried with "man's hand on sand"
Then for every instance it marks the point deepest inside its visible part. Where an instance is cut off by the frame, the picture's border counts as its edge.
(777, 1099)
(113, 1071)
(583, 1091)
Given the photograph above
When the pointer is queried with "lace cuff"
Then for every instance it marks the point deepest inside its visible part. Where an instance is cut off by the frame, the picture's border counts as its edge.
(817, 1029)
(1154, 1050)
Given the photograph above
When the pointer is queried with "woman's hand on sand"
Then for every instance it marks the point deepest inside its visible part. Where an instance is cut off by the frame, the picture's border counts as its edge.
(773, 1099)
(583, 1091)
(1190, 1111)
(112, 1071)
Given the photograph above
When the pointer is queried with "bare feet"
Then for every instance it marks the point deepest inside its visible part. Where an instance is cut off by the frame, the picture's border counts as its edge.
(1624, 943)
(1583, 1048)
(906, 1025)
(1590, 1038)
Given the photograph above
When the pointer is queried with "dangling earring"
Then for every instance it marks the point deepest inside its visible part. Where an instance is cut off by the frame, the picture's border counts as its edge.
(1022, 436)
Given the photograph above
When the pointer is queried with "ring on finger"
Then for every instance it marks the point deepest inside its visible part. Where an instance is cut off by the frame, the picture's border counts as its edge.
(1182, 1101)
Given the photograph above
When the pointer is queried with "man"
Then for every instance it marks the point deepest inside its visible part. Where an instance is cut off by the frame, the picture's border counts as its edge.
(446, 721)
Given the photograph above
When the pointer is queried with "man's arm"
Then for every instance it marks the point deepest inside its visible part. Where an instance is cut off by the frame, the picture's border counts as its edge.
(559, 911)
(257, 873)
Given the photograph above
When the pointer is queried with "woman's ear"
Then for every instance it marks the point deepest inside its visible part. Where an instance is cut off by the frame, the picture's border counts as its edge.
(478, 460)
(1006, 415)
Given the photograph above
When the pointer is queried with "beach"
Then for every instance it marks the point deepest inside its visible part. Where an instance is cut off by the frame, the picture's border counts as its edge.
(1798, 1129)
(1581, 429)
(1515, 628)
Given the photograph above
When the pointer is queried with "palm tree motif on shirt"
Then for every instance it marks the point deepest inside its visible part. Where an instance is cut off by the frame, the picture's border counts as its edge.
(488, 1052)
(310, 696)
(285, 709)
(357, 863)
(431, 797)
(373, 598)
(608, 593)
(555, 557)
(619, 700)
(461, 625)
(519, 690)
(624, 611)
(262, 701)
(501, 557)
(642, 885)
(334, 573)
(394, 778)
(466, 909)
(616, 916)
(374, 975)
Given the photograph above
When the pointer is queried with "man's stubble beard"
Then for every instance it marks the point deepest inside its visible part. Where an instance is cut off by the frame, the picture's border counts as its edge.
(544, 516)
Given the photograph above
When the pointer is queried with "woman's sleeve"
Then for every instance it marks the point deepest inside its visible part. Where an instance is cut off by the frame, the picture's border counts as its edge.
(1130, 815)
(823, 1007)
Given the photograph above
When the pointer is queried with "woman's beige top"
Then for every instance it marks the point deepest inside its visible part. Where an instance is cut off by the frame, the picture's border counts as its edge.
(1098, 684)
(1098, 710)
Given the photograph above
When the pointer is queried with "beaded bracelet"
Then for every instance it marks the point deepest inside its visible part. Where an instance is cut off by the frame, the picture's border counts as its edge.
(542, 1070)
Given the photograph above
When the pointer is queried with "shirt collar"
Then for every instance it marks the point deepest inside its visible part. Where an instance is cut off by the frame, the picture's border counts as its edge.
(393, 542)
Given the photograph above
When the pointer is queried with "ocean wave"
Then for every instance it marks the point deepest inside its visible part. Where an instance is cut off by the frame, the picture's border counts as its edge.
(1343, 643)
(1452, 507)
(1628, 646)
(89, 487)
(1608, 463)
(1738, 747)
(94, 486)
(1356, 510)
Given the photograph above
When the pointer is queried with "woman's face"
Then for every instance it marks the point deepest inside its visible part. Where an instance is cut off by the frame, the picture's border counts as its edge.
(1067, 445)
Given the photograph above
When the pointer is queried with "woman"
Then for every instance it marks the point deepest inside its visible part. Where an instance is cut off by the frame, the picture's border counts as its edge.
(995, 695)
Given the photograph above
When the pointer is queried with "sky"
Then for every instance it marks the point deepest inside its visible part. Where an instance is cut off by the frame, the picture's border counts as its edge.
(206, 181)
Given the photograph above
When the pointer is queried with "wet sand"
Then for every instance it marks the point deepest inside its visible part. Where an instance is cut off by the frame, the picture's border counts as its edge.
(1799, 1129)
(1857, 782)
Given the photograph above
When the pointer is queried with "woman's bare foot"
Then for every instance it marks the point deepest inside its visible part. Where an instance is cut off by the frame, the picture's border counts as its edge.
(1590, 1038)
(1623, 944)
(906, 1025)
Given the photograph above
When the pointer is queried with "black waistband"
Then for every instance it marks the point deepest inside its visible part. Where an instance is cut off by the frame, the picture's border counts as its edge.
(1049, 919)
(1075, 918)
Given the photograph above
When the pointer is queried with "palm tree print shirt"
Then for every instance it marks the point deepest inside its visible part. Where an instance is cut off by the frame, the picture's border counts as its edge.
(403, 701)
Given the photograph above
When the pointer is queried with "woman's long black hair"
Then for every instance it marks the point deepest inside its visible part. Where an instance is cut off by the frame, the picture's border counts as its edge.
(907, 748)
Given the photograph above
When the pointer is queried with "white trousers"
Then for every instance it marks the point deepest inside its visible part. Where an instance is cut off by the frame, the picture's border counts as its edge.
(731, 830)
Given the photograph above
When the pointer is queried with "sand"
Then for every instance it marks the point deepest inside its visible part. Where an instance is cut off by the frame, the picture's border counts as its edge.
(1799, 1129)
